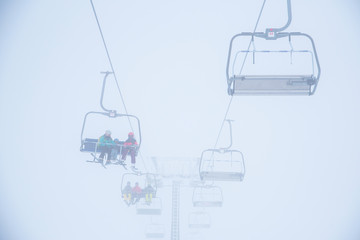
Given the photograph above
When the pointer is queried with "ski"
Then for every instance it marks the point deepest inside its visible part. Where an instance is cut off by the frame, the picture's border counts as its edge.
(105, 162)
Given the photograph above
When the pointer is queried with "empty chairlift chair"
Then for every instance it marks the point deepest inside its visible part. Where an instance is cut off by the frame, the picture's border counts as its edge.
(222, 165)
(199, 220)
(275, 63)
(155, 231)
(207, 196)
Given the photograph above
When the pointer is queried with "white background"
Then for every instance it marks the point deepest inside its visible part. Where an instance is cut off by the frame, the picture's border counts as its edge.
(302, 153)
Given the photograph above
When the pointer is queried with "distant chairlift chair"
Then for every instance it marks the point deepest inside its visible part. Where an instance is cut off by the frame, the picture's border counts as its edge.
(199, 220)
(223, 164)
(145, 208)
(155, 231)
(207, 196)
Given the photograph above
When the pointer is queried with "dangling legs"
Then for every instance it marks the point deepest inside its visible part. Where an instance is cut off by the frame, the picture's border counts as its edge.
(107, 150)
(132, 153)
(124, 152)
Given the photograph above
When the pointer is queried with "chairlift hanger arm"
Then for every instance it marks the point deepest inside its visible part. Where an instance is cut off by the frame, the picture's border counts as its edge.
(276, 30)
(103, 90)
(230, 128)
(107, 73)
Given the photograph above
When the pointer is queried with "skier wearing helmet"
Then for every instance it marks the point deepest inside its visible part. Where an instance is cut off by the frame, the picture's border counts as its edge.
(105, 144)
(130, 147)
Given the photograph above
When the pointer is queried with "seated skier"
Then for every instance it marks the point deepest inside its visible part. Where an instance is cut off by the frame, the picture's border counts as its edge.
(149, 193)
(105, 144)
(136, 193)
(115, 149)
(127, 193)
(130, 146)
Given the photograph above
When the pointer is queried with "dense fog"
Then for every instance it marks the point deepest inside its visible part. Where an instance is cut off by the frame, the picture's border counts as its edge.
(301, 153)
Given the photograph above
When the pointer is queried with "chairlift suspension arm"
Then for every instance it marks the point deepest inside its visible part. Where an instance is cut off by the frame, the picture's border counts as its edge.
(230, 129)
(254, 49)
(276, 30)
(109, 59)
(103, 90)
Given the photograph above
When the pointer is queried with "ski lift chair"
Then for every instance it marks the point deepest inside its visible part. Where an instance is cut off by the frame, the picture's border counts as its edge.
(207, 196)
(199, 220)
(144, 179)
(149, 208)
(90, 145)
(222, 165)
(155, 231)
(272, 84)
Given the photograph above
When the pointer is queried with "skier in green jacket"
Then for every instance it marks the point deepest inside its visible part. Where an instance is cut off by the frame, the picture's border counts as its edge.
(105, 145)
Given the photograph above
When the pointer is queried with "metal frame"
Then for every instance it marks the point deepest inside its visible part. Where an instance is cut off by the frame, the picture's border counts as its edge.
(283, 85)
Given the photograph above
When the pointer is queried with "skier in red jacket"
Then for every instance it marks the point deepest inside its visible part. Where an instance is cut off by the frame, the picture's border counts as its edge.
(136, 193)
(130, 146)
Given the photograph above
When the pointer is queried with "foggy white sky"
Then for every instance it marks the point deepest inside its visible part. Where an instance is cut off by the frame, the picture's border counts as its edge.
(301, 153)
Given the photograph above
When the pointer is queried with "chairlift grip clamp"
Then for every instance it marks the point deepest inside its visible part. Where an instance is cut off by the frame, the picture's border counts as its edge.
(112, 113)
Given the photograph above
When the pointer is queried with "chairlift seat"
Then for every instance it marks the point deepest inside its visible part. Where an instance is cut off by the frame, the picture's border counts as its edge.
(155, 235)
(221, 176)
(199, 225)
(201, 203)
(273, 84)
(89, 145)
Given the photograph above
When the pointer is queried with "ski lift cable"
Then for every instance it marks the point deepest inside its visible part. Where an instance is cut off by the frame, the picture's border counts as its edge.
(231, 98)
(113, 71)
(109, 58)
